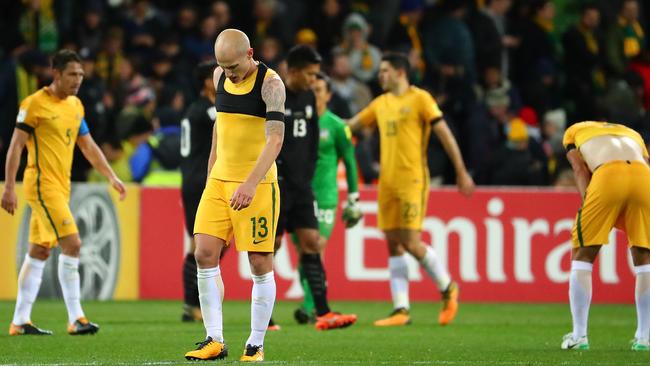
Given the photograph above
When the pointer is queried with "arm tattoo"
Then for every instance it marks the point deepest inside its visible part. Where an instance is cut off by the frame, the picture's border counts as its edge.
(273, 94)
(274, 128)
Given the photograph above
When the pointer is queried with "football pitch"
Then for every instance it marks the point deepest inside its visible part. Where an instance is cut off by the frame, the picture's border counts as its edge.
(150, 333)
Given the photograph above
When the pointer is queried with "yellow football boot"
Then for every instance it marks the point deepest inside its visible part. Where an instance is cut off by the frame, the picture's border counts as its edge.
(208, 350)
(449, 304)
(396, 318)
(252, 354)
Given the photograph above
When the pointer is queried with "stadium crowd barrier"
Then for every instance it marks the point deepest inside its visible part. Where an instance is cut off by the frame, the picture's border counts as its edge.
(501, 245)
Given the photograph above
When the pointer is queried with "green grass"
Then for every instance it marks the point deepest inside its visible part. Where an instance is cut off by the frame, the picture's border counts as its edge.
(136, 333)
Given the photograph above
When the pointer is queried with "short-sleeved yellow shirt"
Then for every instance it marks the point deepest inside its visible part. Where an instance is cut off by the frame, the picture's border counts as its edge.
(582, 132)
(54, 125)
(404, 123)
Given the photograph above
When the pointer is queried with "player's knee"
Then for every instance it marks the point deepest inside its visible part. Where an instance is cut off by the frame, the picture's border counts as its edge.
(39, 252)
(71, 246)
(206, 257)
(310, 246)
(261, 263)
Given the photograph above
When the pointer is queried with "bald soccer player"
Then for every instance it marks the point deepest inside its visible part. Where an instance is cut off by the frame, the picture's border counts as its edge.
(241, 197)
(610, 164)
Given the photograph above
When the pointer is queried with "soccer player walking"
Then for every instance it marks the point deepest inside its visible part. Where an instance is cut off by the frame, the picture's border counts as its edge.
(335, 144)
(196, 140)
(241, 196)
(50, 122)
(405, 116)
(296, 165)
(610, 164)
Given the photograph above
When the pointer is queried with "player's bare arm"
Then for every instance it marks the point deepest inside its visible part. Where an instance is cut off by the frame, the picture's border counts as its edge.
(581, 172)
(18, 141)
(96, 158)
(463, 179)
(354, 123)
(213, 150)
(273, 94)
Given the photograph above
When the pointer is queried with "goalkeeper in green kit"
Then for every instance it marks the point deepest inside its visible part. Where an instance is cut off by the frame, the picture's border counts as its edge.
(335, 144)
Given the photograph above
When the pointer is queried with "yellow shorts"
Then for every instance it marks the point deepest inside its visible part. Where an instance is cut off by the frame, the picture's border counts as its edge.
(51, 218)
(617, 196)
(402, 207)
(253, 227)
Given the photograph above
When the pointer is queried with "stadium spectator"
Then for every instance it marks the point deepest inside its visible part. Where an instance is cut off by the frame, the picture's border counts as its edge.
(110, 58)
(270, 52)
(405, 37)
(364, 58)
(583, 64)
(327, 22)
(536, 58)
(356, 93)
(38, 27)
(624, 39)
(513, 164)
(271, 20)
(90, 32)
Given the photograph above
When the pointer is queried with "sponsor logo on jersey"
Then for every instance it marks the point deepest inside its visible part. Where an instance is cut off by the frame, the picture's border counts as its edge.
(21, 116)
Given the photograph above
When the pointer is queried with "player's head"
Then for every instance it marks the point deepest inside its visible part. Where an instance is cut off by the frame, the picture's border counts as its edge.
(629, 10)
(590, 16)
(303, 63)
(394, 68)
(203, 76)
(234, 54)
(322, 88)
(67, 71)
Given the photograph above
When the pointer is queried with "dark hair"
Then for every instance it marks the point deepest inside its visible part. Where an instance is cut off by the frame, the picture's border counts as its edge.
(301, 56)
(61, 58)
(203, 71)
(589, 6)
(624, 2)
(328, 82)
(398, 61)
(537, 5)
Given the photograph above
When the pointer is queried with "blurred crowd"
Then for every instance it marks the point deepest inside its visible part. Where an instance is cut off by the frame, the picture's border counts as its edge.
(510, 75)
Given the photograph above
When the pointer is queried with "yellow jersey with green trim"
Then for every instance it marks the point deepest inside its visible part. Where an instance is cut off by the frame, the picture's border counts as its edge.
(582, 132)
(53, 125)
(404, 123)
(241, 127)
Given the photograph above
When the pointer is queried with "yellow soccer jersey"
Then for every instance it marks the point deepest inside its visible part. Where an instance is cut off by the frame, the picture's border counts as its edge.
(241, 124)
(53, 125)
(404, 127)
(582, 132)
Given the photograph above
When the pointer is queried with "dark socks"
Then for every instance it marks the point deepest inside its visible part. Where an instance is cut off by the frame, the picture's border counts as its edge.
(315, 275)
(190, 286)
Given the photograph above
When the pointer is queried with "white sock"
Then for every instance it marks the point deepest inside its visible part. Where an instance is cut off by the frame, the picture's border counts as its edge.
(70, 286)
(642, 297)
(262, 301)
(211, 292)
(435, 269)
(399, 281)
(580, 296)
(29, 282)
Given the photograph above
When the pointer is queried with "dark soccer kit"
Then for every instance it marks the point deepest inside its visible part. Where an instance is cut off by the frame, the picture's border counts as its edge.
(196, 142)
(297, 163)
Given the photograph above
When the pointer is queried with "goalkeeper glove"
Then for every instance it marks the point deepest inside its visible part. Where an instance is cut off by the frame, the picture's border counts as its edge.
(351, 210)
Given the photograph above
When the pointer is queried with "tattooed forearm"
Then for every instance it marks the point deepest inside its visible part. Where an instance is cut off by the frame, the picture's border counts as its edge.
(273, 94)
(274, 128)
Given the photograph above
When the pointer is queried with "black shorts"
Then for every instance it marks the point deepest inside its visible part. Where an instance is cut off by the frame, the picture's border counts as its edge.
(191, 195)
(297, 210)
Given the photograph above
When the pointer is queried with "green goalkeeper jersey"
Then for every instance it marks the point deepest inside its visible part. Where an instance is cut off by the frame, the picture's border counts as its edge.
(335, 143)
